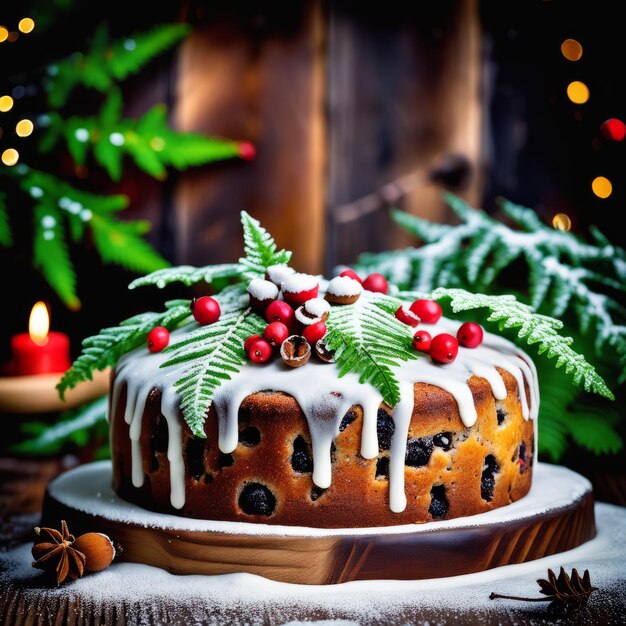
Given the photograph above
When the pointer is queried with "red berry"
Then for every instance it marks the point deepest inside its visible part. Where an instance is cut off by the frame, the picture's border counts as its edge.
(421, 340)
(280, 311)
(351, 274)
(206, 310)
(376, 282)
(158, 338)
(444, 348)
(276, 333)
(260, 351)
(247, 151)
(406, 316)
(314, 332)
(470, 334)
(250, 340)
(428, 311)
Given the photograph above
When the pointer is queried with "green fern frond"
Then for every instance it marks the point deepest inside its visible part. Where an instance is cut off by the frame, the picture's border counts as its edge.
(188, 275)
(424, 230)
(534, 329)
(260, 249)
(5, 228)
(104, 349)
(369, 341)
(209, 356)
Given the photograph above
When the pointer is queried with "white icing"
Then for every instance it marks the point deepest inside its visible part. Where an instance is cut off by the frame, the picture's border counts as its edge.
(344, 286)
(317, 307)
(323, 403)
(278, 273)
(306, 318)
(297, 283)
(262, 289)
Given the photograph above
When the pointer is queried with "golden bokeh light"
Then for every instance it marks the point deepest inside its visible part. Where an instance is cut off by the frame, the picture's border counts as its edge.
(571, 50)
(561, 221)
(4, 34)
(24, 128)
(6, 103)
(578, 92)
(602, 187)
(10, 156)
(26, 25)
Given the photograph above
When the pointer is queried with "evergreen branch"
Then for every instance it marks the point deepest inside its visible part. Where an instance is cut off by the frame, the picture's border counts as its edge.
(5, 228)
(105, 63)
(368, 340)
(104, 349)
(260, 249)
(424, 230)
(188, 275)
(208, 356)
(533, 328)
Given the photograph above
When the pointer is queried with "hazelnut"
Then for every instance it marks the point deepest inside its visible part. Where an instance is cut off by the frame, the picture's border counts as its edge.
(323, 352)
(295, 351)
(98, 549)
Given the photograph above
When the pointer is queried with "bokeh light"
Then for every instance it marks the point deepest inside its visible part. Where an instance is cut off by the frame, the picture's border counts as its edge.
(578, 92)
(571, 50)
(613, 129)
(6, 103)
(26, 25)
(24, 128)
(562, 221)
(602, 187)
(4, 34)
(10, 156)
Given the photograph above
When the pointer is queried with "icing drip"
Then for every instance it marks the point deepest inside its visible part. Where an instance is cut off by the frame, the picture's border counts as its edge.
(323, 403)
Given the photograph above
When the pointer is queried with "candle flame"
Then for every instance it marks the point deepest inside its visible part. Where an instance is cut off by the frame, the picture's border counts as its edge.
(38, 324)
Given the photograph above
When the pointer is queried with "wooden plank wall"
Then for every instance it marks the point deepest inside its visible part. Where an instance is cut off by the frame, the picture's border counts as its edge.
(341, 100)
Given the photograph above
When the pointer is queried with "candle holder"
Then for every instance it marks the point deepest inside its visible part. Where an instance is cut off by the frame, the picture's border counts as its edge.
(38, 393)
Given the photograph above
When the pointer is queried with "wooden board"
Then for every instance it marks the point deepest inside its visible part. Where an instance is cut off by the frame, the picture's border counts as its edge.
(406, 553)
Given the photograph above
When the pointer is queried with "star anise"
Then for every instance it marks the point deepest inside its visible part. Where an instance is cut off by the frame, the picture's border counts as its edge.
(53, 553)
(566, 593)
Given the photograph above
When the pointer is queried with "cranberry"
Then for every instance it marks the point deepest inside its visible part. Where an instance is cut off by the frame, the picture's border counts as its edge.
(260, 351)
(158, 338)
(314, 332)
(206, 310)
(376, 282)
(444, 348)
(470, 334)
(406, 316)
(421, 340)
(250, 340)
(351, 274)
(428, 311)
(276, 333)
(280, 311)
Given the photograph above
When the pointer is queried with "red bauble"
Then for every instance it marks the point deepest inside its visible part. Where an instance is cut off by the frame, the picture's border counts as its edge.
(428, 311)
(376, 282)
(444, 348)
(613, 130)
(250, 340)
(421, 340)
(206, 310)
(259, 351)
(470, 334)
(406, 316)
(276, 333)
(314, 332)
(351, 274)
(158, 338)
(280, 311)
(247, 151)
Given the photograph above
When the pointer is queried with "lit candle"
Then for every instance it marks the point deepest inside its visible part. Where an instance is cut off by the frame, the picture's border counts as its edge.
(39, 351)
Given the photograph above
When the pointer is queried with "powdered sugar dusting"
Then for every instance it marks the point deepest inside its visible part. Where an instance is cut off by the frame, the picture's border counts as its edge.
(341, 286)
(262, 289)
(317, 307)
(278, 273)
(297, 283)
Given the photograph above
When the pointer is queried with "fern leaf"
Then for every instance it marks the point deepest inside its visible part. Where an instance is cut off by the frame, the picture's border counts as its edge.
(104, 349)
(424, 230)
(5, 229)
(534, 329)
(595, 433)
(368, 340)
(209, 356)
(260, 249)
(188, 275)
(477, 253)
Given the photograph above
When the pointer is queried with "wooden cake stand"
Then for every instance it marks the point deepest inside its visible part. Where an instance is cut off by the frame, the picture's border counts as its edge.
(557, 515)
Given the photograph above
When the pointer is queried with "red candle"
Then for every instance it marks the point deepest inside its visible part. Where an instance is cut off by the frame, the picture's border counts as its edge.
(39, 351)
